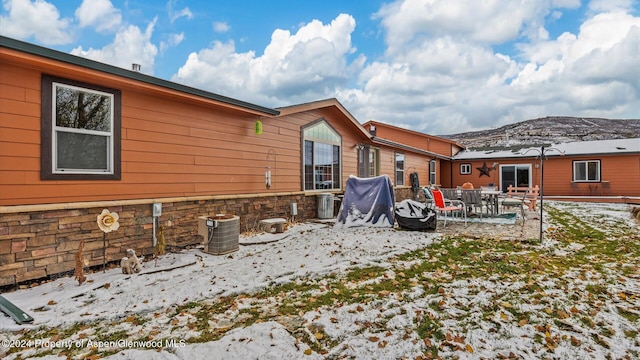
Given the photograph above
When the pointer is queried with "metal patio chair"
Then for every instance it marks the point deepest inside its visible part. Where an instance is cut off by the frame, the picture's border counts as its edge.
(447, 206)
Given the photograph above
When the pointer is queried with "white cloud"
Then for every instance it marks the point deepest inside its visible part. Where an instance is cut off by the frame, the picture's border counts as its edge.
(493, 22)
(441, 75)
(38, 19)
(176, 14)
(99, 14)
(599, 6)
(172, 40)
(220, 27)
(309, 64)
(129, 46)
(606, 48)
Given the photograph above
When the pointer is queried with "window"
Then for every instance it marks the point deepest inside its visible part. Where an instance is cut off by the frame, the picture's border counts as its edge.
(432, 172)
(80, 131)
(322, 146)
(368, 163)
(399, 169)
(374, 165)
(465, 169)
(586, 170)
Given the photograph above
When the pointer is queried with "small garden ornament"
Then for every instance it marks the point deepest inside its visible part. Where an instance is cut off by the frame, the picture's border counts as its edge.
(107, 222)
(131, 263)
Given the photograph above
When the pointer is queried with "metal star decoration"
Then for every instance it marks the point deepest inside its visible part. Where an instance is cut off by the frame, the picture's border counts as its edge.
(484, 170)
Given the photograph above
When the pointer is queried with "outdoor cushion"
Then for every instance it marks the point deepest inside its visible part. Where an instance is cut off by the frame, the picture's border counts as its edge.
(511, 201)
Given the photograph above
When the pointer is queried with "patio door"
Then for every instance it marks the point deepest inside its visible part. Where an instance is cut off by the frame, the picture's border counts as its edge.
(516, 175)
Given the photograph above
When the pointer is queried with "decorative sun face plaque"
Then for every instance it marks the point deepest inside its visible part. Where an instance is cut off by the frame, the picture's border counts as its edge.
(108, 221)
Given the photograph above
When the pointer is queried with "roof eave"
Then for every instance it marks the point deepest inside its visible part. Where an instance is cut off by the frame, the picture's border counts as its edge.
(129, 74)
(386, 142)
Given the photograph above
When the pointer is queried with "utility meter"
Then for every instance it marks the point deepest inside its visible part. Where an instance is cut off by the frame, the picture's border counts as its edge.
(157, 209)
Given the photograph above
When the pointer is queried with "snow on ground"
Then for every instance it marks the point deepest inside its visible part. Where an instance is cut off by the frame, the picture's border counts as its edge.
(310, 249)
(419, 295)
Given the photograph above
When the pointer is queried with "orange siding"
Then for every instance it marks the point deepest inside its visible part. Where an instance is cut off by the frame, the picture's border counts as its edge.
(415, 139)
(445, 173)
(424, 142)
(171, 145)
(349, 140)
(622, 172)
(458, 179)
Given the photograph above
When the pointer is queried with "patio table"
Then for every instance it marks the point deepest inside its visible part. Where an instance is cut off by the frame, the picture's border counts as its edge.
(491, 197)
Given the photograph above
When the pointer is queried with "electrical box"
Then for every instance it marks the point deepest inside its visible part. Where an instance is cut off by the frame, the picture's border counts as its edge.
(157, 209)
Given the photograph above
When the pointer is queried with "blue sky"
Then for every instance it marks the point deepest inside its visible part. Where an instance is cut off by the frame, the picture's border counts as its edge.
(436, 66)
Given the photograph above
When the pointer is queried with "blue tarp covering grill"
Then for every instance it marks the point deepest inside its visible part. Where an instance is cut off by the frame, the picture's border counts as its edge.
(367, 202)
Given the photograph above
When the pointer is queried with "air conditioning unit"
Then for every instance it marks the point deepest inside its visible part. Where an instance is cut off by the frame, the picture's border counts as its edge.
(221, 233)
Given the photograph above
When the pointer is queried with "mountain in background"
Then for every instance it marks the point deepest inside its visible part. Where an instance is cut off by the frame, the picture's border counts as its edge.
(549, 130)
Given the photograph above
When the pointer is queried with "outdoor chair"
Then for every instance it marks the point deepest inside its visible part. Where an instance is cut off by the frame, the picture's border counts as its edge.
(515, 200)
(451, 194)
(446, 206)
(473, 199)
(428, 197)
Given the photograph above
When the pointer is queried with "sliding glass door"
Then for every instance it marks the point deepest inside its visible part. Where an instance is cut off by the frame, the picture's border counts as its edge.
(516, 175)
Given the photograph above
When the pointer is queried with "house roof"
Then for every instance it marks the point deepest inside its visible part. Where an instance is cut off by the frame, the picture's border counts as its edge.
(377, 140)
(28, 48)
(326, 103)
(416, 133)
(579, 148)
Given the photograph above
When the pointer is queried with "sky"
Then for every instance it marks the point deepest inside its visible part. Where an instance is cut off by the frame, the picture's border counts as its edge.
(434, 66)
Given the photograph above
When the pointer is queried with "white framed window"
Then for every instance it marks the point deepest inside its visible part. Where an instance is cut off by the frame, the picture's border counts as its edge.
(80, 130)
(465, 169)
(399, 169)
(322, 150)
(586, 171)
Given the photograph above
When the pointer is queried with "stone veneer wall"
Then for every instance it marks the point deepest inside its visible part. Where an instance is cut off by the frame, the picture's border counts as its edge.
(405, 192)
(43, 243)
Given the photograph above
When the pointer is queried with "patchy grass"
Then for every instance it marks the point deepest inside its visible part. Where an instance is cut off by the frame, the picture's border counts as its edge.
(540, 296)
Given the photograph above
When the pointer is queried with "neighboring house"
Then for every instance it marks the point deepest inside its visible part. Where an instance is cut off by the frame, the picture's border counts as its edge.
(603, 168)
(78, 136)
